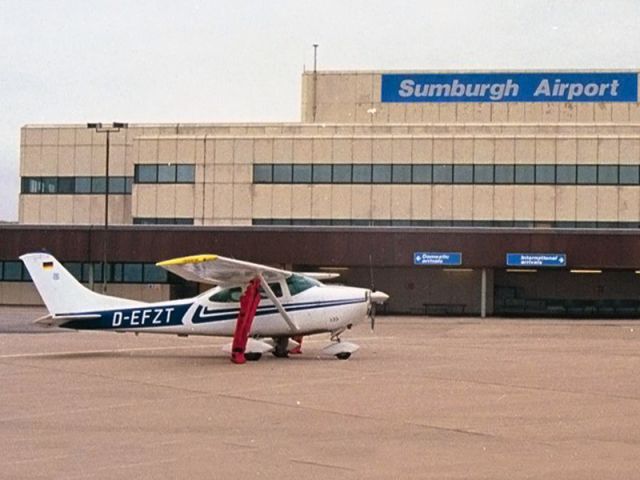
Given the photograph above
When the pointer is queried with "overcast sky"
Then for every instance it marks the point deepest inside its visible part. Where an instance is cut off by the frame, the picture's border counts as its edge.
(218, 61)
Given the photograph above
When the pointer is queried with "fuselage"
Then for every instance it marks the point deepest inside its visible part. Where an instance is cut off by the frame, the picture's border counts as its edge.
(316, 308)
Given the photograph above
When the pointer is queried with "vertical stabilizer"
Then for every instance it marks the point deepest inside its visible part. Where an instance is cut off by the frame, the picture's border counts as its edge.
(60, 290)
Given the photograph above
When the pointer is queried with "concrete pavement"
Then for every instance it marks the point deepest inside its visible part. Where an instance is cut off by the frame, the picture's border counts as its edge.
(423, 398)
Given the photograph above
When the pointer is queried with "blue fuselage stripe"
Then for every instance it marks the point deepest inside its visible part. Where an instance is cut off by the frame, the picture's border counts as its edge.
(203, 315)
(172, 315)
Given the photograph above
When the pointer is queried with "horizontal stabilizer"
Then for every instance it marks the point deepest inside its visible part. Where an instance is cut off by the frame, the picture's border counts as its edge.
(57, 320)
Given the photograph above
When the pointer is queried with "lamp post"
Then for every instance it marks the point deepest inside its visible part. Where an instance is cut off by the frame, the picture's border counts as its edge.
(100, 128)
(315, 81)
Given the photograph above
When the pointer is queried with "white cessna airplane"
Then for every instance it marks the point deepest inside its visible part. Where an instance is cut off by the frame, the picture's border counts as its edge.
(285, 305)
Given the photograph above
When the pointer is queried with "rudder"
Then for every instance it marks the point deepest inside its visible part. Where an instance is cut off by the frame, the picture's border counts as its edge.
(61, 292)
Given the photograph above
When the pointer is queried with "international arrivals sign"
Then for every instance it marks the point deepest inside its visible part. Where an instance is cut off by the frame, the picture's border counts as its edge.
(510, 87)
(536, 260)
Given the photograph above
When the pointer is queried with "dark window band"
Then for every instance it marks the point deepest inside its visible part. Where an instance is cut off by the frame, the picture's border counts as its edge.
(162, 221)
(441, 223)
(127, 272)
(76, 185)
(447, 174)
(165, 173)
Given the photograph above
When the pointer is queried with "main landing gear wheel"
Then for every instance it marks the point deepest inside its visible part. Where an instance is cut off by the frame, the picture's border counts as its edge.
(343, 355)
(253, 356)
(281, 349)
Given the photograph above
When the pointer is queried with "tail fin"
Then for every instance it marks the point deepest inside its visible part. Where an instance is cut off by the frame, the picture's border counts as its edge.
(62, 293)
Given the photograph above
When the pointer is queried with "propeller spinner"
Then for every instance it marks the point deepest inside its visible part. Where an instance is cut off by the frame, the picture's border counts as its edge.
(375, 298)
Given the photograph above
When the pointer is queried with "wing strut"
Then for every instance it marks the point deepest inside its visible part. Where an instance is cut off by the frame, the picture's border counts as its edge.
(267, 289)
(248, 306)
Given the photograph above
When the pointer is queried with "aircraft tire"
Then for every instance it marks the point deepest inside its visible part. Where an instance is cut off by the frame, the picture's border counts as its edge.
(253, 356)
(281, 349)
(343, 355)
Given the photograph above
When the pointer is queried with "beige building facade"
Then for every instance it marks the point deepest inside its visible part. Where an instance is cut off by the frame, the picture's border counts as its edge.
(533, 150)
(354, 160)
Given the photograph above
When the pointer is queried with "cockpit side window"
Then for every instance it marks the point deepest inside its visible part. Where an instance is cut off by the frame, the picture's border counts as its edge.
(299, 283)
(232, 295)
(275, 287)
(227, 295)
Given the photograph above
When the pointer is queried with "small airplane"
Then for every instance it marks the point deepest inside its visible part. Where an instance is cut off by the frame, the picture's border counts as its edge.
(285, 305)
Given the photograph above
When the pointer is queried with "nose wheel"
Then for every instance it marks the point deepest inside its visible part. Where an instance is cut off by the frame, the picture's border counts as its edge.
(340, 350)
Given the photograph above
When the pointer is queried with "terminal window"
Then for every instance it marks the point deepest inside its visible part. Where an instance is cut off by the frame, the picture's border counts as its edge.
(75, 185)
(487, 174)
(165, 173)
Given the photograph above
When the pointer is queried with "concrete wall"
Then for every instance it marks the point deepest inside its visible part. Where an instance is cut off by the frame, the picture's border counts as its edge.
(350, 97)
(351, 251)
(61, 151)
(563, 284)
(413, 287)
(224, 194)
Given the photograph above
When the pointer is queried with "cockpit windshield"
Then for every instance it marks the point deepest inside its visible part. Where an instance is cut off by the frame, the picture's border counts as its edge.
(299, 283)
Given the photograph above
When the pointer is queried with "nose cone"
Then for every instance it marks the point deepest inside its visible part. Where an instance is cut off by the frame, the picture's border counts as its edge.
(379, 297)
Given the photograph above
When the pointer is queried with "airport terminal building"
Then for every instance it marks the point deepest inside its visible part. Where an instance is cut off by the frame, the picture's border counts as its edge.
(505, 193)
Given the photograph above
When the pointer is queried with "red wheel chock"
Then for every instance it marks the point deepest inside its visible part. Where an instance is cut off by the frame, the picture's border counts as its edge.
(248, 306)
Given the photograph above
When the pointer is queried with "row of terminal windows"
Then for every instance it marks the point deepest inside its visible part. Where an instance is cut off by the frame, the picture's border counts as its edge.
(76, 185)
(15, 271)
(545, 174)
(162, 221)
(442, 223)
(165, 173)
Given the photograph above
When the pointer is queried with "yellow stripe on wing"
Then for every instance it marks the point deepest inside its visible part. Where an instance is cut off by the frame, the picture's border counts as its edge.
(187, 260)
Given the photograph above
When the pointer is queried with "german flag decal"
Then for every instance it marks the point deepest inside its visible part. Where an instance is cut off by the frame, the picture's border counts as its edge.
(47, 265)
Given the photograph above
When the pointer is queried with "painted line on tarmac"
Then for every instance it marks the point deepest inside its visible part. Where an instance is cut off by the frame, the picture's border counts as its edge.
(112, 350)
(148, 349)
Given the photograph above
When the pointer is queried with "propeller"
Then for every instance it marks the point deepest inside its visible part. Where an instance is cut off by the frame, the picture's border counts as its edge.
(375, 297)
(372, 311)
(372, 305)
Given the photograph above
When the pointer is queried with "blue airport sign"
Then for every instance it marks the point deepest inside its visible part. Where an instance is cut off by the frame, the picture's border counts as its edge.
(510, 87)
(437, 258)
(536, 260)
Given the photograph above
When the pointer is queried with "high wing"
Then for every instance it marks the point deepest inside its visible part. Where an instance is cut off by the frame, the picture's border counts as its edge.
(217, 270)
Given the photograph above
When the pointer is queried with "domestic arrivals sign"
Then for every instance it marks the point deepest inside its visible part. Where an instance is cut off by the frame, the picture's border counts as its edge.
(510, 87)
(437, 258)
(536, 259)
